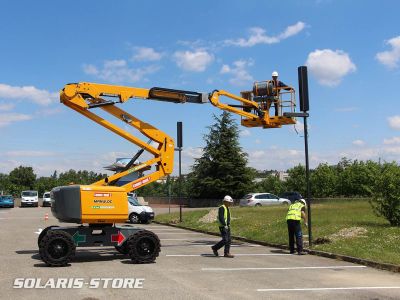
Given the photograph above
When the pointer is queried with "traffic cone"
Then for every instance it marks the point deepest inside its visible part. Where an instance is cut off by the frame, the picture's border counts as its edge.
(46, 216)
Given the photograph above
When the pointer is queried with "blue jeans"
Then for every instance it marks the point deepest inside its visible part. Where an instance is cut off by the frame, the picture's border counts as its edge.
(294, 230)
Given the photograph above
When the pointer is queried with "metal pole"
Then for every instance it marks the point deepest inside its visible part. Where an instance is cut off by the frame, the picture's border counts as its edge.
(308, 182)
(180, 144)
(180, 184)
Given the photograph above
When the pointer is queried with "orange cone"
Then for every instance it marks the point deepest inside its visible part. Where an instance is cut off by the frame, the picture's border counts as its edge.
(46, 216)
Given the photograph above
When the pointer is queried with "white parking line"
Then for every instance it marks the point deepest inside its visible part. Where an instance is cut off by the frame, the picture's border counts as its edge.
(195, 233)
(240, 254)
(330, 289)
(241, 245)
(157, 228)
(189, 240)
(282, 268)
(161, 227)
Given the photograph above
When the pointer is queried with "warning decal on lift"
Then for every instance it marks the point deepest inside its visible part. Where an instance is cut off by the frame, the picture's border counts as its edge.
(102, 194)
(141, 182)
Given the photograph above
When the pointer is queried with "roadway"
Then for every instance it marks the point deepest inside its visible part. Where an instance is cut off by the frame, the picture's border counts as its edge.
(185, 269)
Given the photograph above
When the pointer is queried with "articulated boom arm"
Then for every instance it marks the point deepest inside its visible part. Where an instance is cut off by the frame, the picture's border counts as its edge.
(83, 97)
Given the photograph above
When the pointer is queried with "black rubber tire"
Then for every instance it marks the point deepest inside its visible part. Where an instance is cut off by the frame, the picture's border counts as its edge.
(123, 249)
(144, 247)
(134, 218)
(57, 248)
(258, 205)
(43, 233)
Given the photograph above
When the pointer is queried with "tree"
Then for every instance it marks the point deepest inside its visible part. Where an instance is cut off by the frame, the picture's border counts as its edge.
(222, 169)
(324, 181)
(4, 183)
(342, 188)
(297, 179)
(45, 184)
(23, 178)
(386, 194)
(79, 177)
(271, 184)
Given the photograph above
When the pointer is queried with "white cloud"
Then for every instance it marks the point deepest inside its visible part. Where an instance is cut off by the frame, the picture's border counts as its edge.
(90, 69)
(275, 158)
(238, 71)
(29, 153)
(49, 111)
(358, 143)
(346, 109)
(7, 119)
(258, 36)
(393, 140)
(6, 106)
(146, 54)
(194, 61)
(31, 93)
(392, 57)
(119, 71)
(192, 152)
(244, 133)
(393, 151)
(394, 122)
(329, 67)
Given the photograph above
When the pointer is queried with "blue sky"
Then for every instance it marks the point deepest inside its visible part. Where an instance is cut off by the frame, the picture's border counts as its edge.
(352, 50)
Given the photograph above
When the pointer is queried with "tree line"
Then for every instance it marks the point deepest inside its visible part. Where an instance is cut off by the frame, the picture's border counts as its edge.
(24, 178)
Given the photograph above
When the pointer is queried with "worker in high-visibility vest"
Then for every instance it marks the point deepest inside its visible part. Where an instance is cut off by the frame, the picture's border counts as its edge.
(224, 220)
(295, 213)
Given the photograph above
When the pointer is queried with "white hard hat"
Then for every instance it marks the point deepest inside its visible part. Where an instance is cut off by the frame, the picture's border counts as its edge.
(303, 201)
(275, 74)
(228, 198)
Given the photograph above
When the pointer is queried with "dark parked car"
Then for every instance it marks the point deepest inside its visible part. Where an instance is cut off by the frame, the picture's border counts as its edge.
(6, 201)
(292, 196)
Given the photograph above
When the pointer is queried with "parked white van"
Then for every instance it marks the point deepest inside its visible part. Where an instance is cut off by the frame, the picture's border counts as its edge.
(29, 198)
(139, 213)
(46, 199)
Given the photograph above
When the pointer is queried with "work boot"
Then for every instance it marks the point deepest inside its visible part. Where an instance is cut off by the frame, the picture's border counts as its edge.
(229, 255)
(215, 251)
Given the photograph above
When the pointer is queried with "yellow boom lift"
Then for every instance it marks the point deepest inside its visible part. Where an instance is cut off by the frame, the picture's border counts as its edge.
(102, 204)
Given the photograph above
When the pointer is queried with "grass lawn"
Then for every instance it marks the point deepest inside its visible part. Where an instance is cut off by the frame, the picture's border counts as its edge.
(343, 227)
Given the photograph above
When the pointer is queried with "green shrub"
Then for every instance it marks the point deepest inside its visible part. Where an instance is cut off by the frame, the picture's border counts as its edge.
(386, 194)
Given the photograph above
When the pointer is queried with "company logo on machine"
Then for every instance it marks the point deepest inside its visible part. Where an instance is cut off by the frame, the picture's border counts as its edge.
(101, 201)
(102, 194)
(137, 168)
(141, 182)
(102, 207)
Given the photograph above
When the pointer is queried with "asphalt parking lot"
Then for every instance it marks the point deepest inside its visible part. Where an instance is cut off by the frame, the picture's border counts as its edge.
(185, 269)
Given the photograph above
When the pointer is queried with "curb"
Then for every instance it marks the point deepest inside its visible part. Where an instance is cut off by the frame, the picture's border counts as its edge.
(355, 260)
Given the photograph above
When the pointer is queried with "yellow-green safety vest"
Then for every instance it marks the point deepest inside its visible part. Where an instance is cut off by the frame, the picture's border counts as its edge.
(225, 215)
(294, 211)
